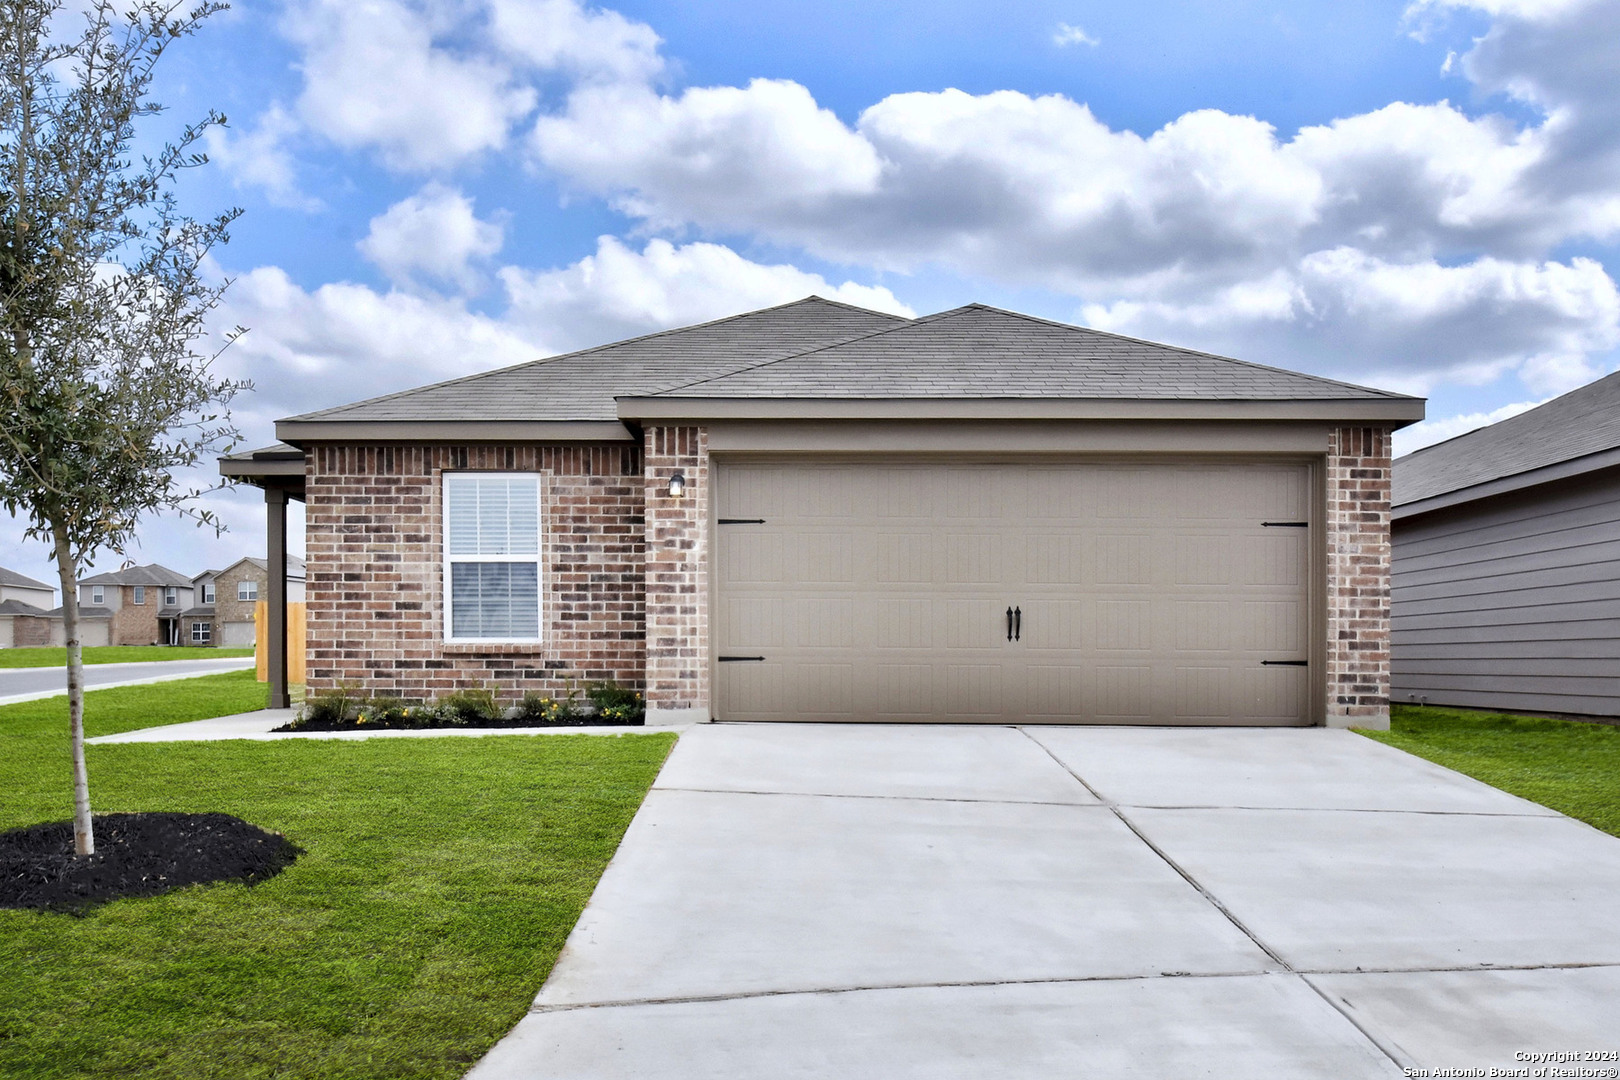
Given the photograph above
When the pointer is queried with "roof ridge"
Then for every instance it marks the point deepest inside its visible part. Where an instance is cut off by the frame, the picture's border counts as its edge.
(903, 325)
(1192, 352)
(475, 376)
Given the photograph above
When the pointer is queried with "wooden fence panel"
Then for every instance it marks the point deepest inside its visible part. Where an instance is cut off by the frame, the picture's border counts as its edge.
(295, 641)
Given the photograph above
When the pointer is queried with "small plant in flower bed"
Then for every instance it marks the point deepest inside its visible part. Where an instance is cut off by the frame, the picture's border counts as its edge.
(615, 704)
(343, 709)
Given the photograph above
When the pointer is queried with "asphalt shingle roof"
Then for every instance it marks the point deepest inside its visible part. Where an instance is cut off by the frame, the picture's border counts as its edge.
(1582, 422)
(151, 574)
(582, 385)
(984, 352)
(18, 607)
(18, 581)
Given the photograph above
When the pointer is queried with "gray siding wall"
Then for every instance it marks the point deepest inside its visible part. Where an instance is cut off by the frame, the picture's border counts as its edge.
(1513, 602)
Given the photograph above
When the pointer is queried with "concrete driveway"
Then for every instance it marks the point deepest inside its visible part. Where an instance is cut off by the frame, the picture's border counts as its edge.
(944, 902)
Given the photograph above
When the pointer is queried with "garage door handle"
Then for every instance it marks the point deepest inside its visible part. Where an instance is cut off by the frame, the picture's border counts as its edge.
(1285, 663)
(1018, 624)
(1009, 624)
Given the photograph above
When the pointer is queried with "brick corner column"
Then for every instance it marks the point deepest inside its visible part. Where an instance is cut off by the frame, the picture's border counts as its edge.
(1358, 569)
(677, 571)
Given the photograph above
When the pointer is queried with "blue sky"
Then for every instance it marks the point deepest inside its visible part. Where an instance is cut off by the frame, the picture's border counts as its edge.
(1421, 196)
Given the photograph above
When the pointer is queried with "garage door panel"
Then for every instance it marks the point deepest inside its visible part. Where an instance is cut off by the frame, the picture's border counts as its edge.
(1148, 593)
(751, 555)
(1120, 693)
(1202, 558)
(1277, 557)
(1203, 626)
(1121, 626)
(1123, 559)
(1201, 694)
(903, 624)
(903, 558)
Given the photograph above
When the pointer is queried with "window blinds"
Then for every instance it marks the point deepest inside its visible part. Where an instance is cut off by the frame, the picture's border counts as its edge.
(492, 538)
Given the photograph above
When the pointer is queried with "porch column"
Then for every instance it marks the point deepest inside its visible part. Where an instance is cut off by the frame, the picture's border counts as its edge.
(275, 500)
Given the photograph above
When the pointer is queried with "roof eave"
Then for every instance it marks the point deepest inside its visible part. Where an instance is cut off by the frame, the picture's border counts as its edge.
(303, 432)
(1397, 412)
(1502, 485)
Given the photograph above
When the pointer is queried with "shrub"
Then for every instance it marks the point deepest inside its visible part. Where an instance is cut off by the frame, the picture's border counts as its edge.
(472, 706)
(538, 710)
(383, 710)
(616, 703)
(333, 706)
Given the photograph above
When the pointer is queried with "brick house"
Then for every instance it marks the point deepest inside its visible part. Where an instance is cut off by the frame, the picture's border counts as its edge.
(24, 603)
(223, 615)
(141, 605)
(817, 512)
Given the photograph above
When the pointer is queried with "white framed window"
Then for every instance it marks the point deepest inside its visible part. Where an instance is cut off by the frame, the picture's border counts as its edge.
(202, 633)
(208, 593)
(171, 596)
(247, 590)
(98, 595)
(492, 554)
(140, 594)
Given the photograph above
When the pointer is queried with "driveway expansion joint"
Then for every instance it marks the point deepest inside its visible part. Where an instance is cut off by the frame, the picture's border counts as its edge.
(887, 798)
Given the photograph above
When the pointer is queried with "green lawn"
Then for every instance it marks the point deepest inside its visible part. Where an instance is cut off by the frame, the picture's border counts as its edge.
(1572, 767)
(440, 879)
(114, 654)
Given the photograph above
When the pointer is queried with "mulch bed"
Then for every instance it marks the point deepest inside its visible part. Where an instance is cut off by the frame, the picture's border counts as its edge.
(136, 855)
(417, 725)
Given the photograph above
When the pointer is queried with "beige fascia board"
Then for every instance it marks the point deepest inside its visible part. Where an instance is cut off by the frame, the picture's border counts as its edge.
(1032, 437)
(1547, 474)
(301, 432)
(1398, 412)
(248, 469)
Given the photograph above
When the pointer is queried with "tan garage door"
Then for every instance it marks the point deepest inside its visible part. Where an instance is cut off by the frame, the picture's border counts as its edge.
(1062, 593)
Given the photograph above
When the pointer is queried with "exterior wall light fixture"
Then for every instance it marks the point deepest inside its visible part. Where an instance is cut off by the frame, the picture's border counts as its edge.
(677, 486)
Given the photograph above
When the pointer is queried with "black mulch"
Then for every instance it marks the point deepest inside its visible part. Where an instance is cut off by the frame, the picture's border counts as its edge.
(136, 855)
(413, 724)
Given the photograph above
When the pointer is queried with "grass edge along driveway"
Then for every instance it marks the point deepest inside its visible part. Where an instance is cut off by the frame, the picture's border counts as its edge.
(440, 880)
(1569, 766)
(31, 657)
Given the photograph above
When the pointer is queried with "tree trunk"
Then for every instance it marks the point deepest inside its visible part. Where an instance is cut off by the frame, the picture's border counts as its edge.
(84, 840)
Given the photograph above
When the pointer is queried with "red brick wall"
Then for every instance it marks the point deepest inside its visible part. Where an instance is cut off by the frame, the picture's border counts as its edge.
(132, 623)
(677, 572)
(29, 631)
(1358, 475)
(376, 570)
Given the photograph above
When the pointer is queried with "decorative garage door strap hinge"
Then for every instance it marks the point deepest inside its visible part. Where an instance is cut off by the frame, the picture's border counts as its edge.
(741, 521)
(1285, 663)
(738, 659)
(1285, 524)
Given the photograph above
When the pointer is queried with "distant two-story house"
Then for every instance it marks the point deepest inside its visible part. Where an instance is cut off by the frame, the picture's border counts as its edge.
(141, 605)
(225, 600)
(24, 603)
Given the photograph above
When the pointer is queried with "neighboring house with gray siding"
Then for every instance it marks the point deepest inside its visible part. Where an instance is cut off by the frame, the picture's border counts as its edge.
(1506, 562)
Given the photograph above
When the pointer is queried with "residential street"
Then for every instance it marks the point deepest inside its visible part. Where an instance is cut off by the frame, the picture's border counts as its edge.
(21, 684)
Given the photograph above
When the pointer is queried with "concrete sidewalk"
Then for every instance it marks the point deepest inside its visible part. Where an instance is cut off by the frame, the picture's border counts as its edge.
(944, 902)
(260, 727)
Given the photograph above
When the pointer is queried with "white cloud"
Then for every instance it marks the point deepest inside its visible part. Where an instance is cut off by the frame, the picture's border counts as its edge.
(618, 292)
(711, 155)
(261, 158)
(1429, 432)
(344, 342)
(562, 35)
(1405, 325)
(433, 233)
(1071, 35)
(375, 77)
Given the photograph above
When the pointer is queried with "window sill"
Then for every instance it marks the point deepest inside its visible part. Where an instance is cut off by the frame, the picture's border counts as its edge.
(492, 648)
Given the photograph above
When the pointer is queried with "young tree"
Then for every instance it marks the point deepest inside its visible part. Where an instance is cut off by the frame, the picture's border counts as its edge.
(104, 394)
